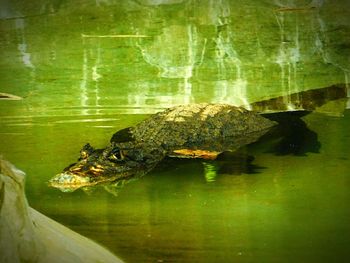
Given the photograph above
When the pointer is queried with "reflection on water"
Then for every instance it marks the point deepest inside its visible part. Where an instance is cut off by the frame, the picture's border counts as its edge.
(88, 69)
(237, 163)
(146, 55)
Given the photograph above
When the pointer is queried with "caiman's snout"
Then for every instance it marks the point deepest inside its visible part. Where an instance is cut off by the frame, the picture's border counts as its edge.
(68, 182)
(77, 175)
(83, 173)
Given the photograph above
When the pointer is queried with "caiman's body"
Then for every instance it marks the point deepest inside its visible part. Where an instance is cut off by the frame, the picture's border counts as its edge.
(195, 130)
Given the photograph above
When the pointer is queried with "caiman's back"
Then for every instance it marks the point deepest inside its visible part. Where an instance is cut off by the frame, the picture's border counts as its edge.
(214, 127)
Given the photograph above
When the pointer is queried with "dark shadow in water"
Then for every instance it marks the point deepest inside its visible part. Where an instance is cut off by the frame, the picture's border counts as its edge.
(232, 163)
(291, 136)
(236, 163)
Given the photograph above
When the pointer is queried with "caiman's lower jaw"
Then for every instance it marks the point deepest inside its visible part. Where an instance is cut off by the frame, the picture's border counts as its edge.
(68, 182)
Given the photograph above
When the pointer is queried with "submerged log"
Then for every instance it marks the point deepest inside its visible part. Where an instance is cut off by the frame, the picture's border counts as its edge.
(310, 100)
(29, 236)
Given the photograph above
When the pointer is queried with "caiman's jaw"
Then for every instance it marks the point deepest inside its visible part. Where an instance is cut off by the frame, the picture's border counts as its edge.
(69, 181)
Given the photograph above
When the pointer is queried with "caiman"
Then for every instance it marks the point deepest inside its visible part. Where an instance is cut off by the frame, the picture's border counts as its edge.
(194, 131)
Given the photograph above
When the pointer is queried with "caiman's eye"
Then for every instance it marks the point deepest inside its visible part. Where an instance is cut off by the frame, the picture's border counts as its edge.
(116, 155)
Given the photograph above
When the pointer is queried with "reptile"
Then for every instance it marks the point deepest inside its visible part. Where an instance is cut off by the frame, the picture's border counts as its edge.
(190, 131)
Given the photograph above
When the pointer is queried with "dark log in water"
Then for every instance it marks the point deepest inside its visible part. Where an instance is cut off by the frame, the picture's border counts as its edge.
(309, 100)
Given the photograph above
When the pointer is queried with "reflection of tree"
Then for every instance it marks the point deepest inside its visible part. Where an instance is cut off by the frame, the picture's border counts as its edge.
(202, 49)
(89, 86)
(157, 53)
(173, 52)
(221, 62)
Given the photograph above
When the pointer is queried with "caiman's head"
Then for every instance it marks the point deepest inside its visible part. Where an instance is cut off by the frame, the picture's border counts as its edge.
(100, 166)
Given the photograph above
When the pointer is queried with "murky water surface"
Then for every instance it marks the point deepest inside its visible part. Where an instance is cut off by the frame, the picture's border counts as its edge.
(86, 69)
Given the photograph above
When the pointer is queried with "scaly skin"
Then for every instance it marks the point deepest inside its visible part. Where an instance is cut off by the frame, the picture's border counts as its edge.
(135, 151)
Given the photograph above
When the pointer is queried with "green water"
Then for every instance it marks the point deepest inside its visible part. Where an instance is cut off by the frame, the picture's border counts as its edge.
(89, 68)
